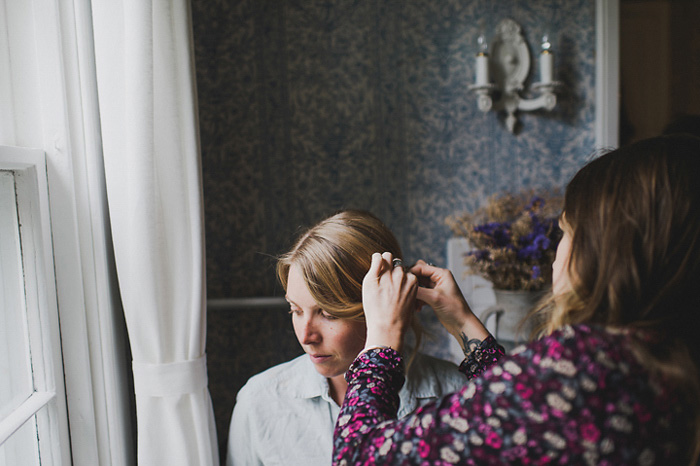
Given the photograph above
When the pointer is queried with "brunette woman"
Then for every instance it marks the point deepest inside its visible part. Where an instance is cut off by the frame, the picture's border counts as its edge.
(614, 377)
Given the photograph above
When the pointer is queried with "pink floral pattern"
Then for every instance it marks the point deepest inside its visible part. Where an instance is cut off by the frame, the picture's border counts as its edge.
(578, 396)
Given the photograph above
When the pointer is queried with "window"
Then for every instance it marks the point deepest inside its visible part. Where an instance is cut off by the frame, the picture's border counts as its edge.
(33, 419)
(48, 97)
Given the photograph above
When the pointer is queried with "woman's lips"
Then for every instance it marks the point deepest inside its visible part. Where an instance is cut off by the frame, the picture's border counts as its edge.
(318, 358)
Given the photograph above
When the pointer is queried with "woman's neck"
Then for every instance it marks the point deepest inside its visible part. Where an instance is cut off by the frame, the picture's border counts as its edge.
(338, 386)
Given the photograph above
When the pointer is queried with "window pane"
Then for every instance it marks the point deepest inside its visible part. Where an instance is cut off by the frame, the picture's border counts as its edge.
(21, 449)
(16, 381)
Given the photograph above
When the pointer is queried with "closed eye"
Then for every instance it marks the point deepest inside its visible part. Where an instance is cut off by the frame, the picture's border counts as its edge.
(293, 309)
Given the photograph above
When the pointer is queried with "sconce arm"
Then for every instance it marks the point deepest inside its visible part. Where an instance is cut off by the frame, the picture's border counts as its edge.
(548, 101)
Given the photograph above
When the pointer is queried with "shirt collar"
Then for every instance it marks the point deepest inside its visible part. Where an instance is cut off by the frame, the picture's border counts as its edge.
(305, 382)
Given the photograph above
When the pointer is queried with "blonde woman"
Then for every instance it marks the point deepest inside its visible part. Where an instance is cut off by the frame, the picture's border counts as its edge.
(286, 414)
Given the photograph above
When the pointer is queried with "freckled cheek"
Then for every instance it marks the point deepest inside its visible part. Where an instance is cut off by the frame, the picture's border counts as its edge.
(349, 340)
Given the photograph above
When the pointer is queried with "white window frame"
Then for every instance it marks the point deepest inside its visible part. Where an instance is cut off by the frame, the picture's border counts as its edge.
(47, 401)
(607, 83)
(48, 96)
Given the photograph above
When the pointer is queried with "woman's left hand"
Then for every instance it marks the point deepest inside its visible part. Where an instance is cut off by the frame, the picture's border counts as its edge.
(388, 298)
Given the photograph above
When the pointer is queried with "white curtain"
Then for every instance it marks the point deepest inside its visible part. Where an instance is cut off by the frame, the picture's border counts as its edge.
(147, 96)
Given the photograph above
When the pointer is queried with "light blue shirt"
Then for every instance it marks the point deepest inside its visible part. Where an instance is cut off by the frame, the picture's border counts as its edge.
(286, 416)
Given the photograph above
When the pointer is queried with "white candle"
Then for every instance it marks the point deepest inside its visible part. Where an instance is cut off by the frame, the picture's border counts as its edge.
(482, 69)
(546, 61)
(546, 66)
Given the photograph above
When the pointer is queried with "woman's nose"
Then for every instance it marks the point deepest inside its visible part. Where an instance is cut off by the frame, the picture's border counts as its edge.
(309, 332)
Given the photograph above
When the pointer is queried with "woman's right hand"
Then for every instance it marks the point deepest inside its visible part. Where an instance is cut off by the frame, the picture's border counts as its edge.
(388, 297)
(438, 289)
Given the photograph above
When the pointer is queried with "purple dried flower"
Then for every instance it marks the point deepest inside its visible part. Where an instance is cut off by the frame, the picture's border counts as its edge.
(515, 246)
(497, 232)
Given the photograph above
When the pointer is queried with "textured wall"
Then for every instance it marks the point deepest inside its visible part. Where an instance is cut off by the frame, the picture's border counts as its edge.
(310, 106)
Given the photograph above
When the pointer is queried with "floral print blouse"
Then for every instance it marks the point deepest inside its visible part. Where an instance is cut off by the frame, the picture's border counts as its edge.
(578, 396)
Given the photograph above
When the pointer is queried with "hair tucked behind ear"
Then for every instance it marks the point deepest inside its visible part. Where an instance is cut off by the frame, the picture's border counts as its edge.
(634, 214)
(334, 257)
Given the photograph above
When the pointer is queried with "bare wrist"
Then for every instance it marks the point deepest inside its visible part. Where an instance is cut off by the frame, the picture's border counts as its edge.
(384, 340)
(473, 326)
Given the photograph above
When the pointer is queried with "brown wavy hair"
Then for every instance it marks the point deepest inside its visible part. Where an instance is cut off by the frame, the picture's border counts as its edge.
(334, 257)
(634, 215)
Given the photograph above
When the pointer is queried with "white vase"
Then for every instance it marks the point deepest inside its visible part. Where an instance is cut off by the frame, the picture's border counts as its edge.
(512, 324)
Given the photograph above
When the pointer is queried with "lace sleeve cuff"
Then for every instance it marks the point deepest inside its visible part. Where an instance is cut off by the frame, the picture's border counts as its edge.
(483, 357)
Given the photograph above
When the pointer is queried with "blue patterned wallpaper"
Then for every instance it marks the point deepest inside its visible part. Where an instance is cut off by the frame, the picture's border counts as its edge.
(309, 106)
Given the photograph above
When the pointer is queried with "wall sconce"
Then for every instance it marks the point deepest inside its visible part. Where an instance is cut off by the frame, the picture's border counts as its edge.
(509, 64)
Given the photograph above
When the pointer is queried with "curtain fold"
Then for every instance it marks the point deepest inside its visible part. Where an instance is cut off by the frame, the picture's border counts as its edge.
(148, 113)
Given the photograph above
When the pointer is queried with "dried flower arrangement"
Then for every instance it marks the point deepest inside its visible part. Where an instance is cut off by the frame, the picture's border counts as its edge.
(514, 238)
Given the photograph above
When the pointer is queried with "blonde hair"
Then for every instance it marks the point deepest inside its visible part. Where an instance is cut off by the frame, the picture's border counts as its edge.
(334, 257)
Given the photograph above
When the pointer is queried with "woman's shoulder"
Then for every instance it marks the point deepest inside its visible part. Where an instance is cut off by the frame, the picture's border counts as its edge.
(433, 364)
(593, 337)
(432, 376)
(581, 347)
(428, 378)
